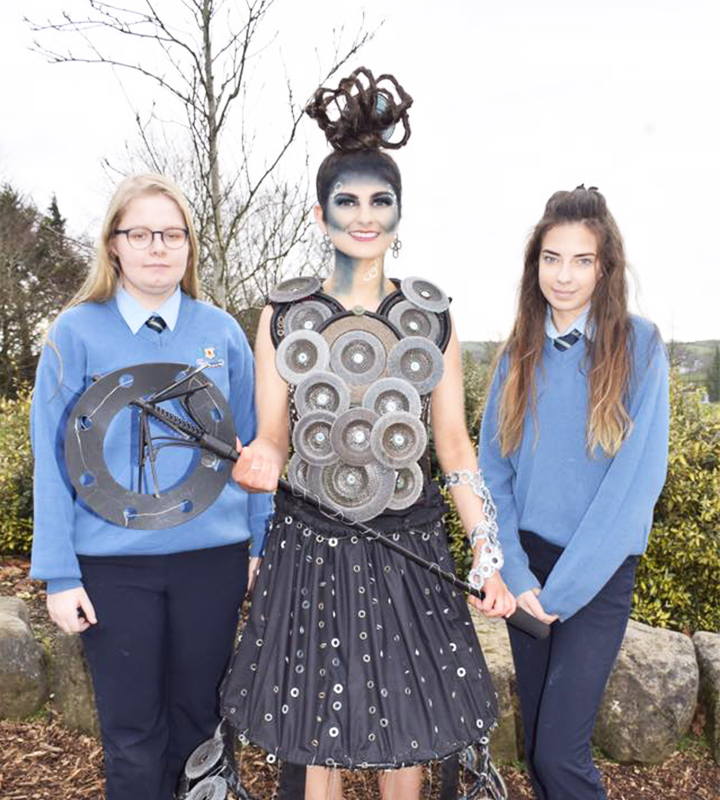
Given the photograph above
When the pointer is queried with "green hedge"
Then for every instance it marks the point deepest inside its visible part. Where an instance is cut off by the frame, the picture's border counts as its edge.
(16, 475)
(678, 579)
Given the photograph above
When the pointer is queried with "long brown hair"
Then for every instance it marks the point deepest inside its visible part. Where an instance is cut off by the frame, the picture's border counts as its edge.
(608, 357)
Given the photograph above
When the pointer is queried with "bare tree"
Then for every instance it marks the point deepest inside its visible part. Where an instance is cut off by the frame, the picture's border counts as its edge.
(249, 217)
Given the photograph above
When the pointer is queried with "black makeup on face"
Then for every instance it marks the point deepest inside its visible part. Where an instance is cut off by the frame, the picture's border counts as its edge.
(385, 198)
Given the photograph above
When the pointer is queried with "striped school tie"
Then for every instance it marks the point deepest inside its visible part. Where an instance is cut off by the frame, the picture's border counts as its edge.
(156, 323)
(568, 340)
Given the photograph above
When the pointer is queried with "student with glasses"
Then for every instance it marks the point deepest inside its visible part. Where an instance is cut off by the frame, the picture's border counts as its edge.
(157, 609)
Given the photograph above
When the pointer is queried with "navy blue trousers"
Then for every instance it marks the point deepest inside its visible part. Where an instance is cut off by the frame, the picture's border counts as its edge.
(561, 680)
(164, 637)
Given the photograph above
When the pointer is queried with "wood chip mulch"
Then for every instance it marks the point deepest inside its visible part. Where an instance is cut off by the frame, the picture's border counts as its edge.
(42, 760)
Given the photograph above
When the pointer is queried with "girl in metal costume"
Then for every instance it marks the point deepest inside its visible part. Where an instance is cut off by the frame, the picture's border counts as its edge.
(354, 657)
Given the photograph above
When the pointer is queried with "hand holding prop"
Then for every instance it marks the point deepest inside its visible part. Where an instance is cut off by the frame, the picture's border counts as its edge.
(208, 427)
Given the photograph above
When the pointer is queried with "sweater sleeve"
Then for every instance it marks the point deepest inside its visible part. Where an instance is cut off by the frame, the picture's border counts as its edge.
(59, 382)
(499, 475)
(617, 522)
(242, 402)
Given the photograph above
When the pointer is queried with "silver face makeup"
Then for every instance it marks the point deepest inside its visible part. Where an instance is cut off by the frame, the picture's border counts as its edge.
(362, 207)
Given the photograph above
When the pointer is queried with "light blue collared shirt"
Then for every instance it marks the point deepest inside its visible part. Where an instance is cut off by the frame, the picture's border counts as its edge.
(580, 325)
(136, 315)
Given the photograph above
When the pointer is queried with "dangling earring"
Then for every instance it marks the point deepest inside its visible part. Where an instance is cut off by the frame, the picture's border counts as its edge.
(326, 248)
(396, 246)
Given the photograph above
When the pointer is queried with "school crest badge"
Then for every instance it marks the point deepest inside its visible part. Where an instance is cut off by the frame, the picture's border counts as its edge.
(207, 355)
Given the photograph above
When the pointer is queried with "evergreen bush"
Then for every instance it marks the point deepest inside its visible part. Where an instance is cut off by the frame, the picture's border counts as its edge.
(678, 579)
(476, 382)
(16, 475)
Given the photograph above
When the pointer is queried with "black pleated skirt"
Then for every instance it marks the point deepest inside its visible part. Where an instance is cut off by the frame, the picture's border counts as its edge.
(352, 656)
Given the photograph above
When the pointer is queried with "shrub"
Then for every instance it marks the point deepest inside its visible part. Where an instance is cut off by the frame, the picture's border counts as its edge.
(678, 579)
(476, 379)
(16, 475)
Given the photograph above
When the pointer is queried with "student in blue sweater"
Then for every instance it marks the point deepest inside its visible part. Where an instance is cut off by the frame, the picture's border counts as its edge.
(157, 609)
(574, 450)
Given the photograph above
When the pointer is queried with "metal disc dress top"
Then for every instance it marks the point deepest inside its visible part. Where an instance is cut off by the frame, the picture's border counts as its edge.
(308, 315)
(311, 437)
(424, 294)
(398, 439)
(361, 492)
(351, 435)
(301, 353)
(294, 289)
(356, 403)
(393, 394)
(418, 361)
(322, 391)
(408, 487)
(414, 321)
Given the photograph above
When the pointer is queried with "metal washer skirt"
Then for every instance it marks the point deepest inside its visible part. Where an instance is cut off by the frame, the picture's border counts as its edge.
(353, 657)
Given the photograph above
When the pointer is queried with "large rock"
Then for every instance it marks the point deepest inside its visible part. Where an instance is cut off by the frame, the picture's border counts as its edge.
(651, 696)
(73, 696)
(23, 672)
(505, 739)
(707, 647)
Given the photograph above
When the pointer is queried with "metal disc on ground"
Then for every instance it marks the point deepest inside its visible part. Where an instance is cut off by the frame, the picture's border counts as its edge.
(393, 394)
(359, 492)
(214, 788)
(300, 353)
(311, 437)
(398, 439)
(418, 361)
(204, 758)
(297, 471)
(322, 391)
(424, 294)
(351, 434)
(408, 487)
(414, 321)
(294, 289)
(358, 357)
(308, 315)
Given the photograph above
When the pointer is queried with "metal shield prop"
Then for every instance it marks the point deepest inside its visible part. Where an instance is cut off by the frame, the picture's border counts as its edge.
(88, 424)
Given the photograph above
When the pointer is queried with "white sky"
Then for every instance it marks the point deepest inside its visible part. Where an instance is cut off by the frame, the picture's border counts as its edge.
(513, 100)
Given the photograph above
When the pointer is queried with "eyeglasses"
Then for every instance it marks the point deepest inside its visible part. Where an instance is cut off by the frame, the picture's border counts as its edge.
(142, 238)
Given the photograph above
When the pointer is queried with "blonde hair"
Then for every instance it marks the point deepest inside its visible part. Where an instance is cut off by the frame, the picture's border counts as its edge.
(102, 281)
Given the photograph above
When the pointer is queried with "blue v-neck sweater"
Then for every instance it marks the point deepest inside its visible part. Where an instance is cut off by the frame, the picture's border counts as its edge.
(598, 509)
(93, 339)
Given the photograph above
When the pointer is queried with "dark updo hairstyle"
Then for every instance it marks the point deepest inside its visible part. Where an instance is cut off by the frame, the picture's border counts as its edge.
(358, 119)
